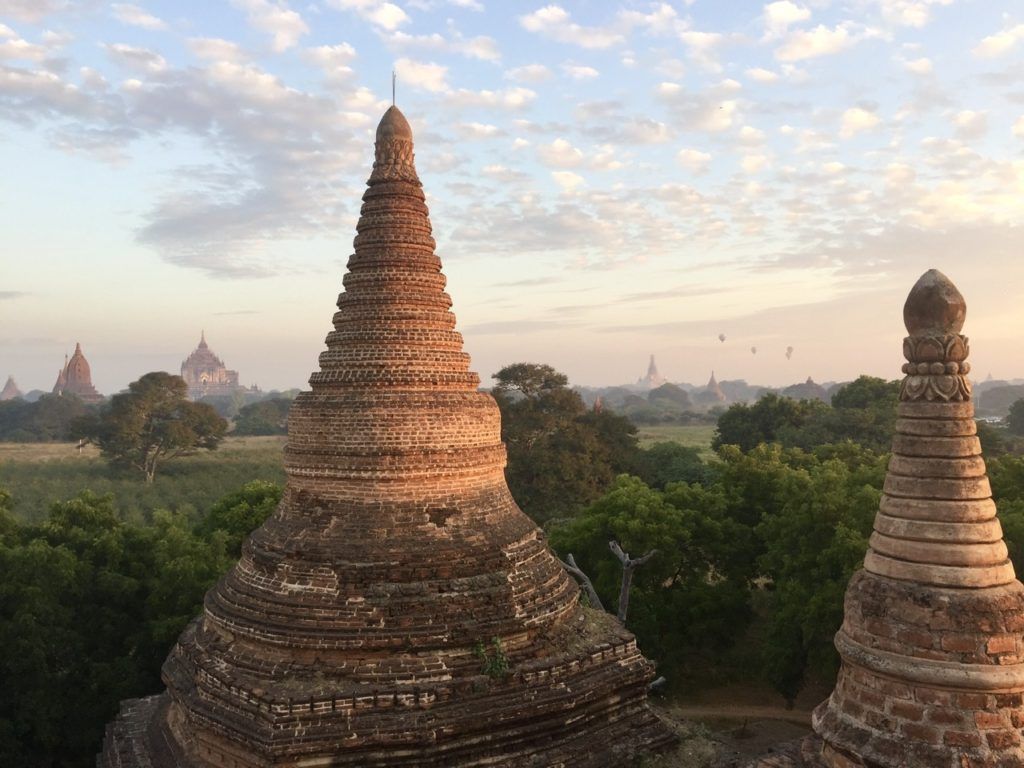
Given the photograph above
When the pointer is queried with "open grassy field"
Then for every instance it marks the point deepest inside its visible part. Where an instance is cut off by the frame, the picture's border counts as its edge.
(695, 436)
(37, 474)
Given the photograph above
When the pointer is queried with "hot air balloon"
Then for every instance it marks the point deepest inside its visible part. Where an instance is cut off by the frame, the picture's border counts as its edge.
(789, 352)
(753, 350)
(721, 337)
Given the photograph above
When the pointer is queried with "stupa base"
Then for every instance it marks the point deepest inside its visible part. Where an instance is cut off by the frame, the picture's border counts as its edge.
(585, 708)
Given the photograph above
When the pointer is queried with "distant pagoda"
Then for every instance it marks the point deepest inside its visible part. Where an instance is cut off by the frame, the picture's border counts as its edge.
(653, 378)
(714, 389)
(10, 390)
(206, 374)
(711, 395)
(75, 378)
(398, 609)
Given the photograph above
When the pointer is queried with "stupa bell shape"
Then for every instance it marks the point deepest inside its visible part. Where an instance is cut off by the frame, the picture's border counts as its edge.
(931, 641)
(356, 629)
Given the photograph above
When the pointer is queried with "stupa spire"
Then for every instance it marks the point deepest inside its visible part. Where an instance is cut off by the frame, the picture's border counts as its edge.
(349, 633)
(931, 640)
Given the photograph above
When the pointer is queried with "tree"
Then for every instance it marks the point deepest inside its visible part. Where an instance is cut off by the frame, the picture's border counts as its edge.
(241, 512)
(689, 599)
(529, 379)
(763, 422)
(1015, 419)
(48, 419)
(561, 456)
(266, 417)
(151, 423)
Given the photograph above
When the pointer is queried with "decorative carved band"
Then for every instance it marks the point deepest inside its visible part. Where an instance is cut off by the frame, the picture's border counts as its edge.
(936, 369)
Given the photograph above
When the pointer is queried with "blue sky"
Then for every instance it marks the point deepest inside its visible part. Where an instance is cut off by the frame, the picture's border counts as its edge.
(605, 180)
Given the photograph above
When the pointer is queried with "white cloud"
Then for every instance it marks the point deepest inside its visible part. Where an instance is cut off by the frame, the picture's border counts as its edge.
(999, 43)
(530, 73)
(856, 120)
(334, 60)
(921, 66)
(820, 41)
(135, 16)
(605, 159)
(778, 17)
(31, 10)
(425, 75)
(751, 136)
(970, 124)
(693, 160)
(710, 110)
(701, 47)
(567, 180)
(13, 48)
(478, 130)
(761, 75)
(579, 72)
(508, 98)
(899, 175)
(276, 19)
(755, 163)
(909, 13)
(560, 154)
(480, 47)
(833, 168)
(554, 22)
(135, 58)
(216, 49)
(1018, 127)
(385, 15)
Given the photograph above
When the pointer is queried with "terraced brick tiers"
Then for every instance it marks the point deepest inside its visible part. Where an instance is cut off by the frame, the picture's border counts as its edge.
(356, 628)
(931, 641)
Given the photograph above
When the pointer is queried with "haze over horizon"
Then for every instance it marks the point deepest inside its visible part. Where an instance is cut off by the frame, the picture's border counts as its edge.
(606, 181)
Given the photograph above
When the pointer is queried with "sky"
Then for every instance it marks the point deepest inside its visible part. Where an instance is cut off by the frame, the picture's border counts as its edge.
(606, 180)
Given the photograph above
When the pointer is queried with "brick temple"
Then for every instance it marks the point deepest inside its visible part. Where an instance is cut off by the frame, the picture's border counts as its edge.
(398, 609)
(206, 374)
(931, 642)
(75, 378)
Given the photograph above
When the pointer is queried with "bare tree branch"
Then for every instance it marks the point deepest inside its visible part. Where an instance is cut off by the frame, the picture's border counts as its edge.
(570, 565)
(628, 567)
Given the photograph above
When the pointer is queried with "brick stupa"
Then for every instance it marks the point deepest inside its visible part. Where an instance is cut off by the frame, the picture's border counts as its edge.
(931, 643)
(356, 628)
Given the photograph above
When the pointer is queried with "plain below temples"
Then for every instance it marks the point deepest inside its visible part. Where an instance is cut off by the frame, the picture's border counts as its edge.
(398, 609)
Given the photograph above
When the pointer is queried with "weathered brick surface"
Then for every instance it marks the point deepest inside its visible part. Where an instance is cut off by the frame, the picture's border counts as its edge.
(347, 633)
(931, 638)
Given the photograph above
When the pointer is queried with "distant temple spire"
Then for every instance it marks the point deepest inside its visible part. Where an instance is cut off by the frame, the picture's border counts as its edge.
(75, 378)
(715, 390)
(653, 378)
(10, 390)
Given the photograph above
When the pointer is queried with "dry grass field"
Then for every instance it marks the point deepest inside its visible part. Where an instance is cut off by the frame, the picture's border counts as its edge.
(37, 474)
